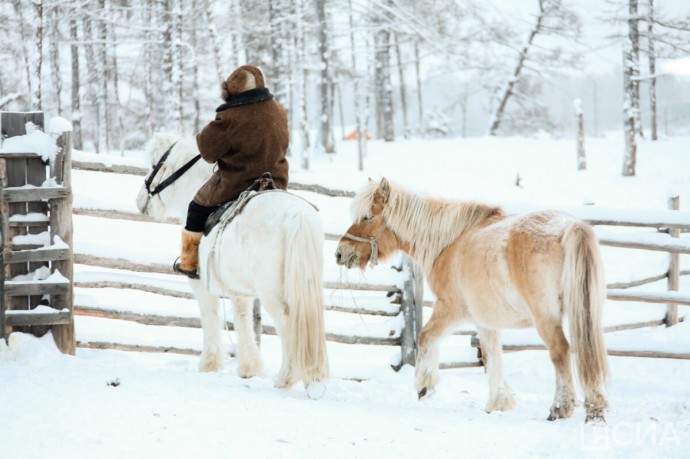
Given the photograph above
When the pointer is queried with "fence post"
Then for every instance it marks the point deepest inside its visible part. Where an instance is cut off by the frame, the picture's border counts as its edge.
(411, 306)
(256, 314)
(673, 268)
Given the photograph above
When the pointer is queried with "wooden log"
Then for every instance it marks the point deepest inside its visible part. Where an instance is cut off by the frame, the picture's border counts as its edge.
(137, 348)
(122, 215)
(411, 307)
(113, 168)
(679, 247)
(452, 365)
(673, 269)
(648, 297)
(152, 319)
(29, 288)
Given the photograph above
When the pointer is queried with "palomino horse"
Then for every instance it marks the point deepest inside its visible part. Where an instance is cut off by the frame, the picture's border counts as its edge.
(498, 271)
(273, 250)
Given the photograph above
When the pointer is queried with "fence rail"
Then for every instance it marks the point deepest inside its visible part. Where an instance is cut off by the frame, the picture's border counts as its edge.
(671, 223)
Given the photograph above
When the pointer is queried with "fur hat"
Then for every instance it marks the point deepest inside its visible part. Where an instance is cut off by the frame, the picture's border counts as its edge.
(242, 79)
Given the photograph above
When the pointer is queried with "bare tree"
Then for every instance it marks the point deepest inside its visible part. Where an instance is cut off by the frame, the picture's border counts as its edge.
(325, 80)
(553, 18)
(76, 84)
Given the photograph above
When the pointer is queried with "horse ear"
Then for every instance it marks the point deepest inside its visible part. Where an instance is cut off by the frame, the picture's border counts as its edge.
(384, 189)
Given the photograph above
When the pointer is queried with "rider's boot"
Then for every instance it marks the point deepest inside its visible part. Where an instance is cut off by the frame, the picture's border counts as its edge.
(188, 263)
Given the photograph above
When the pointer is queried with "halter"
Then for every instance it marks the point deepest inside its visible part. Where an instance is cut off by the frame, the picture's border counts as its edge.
(170, 180)
(374, 259)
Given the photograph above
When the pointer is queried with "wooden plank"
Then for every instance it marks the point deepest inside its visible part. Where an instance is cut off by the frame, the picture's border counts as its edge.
(33, 194)
(22, 155)
(14, 123)
(37, 319)
(37, 255)
(4, 242)
(61, 226)
(452, 365)
(15, 288)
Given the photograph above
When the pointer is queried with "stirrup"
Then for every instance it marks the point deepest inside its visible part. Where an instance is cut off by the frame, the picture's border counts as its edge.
(191, 274)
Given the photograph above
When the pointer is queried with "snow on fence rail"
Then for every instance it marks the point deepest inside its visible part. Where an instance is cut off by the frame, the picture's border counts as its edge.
(669, 224)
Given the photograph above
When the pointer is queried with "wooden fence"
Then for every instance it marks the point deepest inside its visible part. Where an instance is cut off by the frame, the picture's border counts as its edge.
(668, 225)
(36, 205)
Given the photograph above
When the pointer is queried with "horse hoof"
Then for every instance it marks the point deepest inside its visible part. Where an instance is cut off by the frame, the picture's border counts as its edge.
(315, 390)
(424, 393)
(595, 419)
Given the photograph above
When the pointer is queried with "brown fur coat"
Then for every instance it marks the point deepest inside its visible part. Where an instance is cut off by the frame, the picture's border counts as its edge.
(247, 138)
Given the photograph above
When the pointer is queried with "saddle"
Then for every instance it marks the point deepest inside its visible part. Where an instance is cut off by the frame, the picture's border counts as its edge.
(228, 211)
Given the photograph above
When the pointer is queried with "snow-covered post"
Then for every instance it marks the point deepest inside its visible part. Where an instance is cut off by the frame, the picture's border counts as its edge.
(411, 307)
(673, 268)
(61, 228)
(581, 157)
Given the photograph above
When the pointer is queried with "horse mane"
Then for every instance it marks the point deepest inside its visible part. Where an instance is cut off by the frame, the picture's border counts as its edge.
(429, 225)
(184, 150)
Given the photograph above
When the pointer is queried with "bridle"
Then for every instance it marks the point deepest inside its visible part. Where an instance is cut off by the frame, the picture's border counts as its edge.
(170, 180)
(373, 242)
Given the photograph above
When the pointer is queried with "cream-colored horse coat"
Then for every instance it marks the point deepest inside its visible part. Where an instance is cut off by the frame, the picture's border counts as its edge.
(500, 272)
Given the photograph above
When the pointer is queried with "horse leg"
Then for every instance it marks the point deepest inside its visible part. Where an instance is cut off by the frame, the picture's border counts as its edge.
(278, 310)
(248, 352)
(212, 353)
(500, 396)
(559, 351)
(443, 317)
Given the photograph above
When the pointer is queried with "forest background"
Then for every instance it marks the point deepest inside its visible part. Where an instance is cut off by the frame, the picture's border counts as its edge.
(121, 70)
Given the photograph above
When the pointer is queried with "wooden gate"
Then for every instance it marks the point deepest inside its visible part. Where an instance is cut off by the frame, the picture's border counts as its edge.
(36, 244)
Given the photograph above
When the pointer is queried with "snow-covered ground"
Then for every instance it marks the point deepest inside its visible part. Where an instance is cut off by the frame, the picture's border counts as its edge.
(61, 406)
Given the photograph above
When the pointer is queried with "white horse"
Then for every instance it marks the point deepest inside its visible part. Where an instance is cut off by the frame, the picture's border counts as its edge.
(272, 250)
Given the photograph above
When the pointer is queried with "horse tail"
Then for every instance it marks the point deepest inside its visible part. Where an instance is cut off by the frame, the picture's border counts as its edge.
(584, 293)
(303, 293)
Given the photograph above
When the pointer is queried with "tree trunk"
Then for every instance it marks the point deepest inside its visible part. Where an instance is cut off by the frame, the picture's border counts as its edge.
(359, 131)
(301, 79)
(213, 36)
(634, 37)
(37, 96)
(92, 75)
(103, 104)
(581, 156)
(418, 73)
(55, 56)
(652, 72)
(325, 121)
(279, 42)
(382, 84)
(76, 83)
(630, 153)
(403, 87)
(507, 92)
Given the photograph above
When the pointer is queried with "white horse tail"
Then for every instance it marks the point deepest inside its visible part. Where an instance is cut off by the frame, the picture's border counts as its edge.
(303, 292)
(584, 293)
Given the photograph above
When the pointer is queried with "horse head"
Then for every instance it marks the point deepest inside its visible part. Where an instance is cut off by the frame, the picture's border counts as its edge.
(369, 238)
(165, 192)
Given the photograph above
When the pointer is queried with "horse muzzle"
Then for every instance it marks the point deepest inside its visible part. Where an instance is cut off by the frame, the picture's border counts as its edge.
(347, 256)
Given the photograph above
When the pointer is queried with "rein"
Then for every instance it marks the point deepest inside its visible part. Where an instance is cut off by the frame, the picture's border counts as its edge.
(374, 259)
(170, 180)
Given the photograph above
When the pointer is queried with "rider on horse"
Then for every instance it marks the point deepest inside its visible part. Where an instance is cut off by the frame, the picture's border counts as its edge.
(248, 137)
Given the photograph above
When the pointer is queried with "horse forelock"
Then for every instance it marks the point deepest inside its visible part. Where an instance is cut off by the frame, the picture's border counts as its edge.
(429, 225)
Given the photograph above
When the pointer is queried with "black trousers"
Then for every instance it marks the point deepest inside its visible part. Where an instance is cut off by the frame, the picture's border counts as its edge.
(197, 215)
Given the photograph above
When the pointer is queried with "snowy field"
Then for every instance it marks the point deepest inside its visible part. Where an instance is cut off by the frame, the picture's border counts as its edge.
(73, 407)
